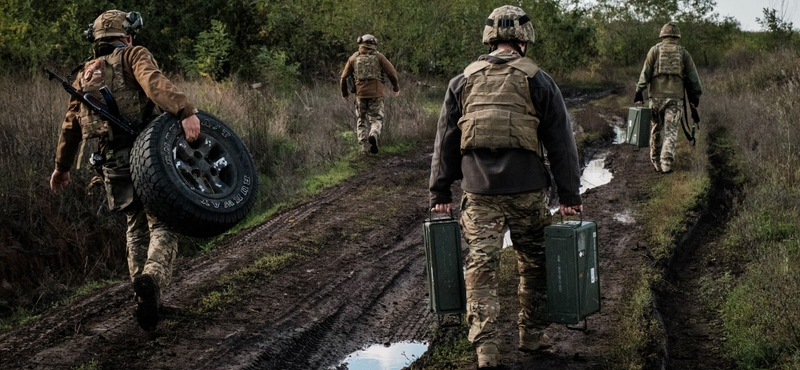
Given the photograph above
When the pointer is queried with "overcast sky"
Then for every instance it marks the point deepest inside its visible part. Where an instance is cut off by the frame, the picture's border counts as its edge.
(746, 11)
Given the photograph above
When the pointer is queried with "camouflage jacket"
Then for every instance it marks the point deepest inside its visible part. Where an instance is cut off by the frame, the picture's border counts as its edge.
(368, 88)
(139, 70)
(506, 171)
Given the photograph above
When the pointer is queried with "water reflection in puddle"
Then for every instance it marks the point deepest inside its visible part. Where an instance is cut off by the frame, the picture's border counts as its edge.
(620, 135)
(595, 173)
(380, 357)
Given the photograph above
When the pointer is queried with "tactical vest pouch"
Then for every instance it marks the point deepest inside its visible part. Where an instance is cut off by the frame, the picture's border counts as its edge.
(367, 67)
(498, 129)
(92, 78)
(130, 98)
(117, 180)
(670, 60)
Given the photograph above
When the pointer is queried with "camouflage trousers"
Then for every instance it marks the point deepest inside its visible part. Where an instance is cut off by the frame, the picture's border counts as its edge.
(484, 219)
(666, 114)
(151, 245)
(369, 119)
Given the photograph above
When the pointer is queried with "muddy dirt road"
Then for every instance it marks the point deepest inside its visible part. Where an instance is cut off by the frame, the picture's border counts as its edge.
(349, 273)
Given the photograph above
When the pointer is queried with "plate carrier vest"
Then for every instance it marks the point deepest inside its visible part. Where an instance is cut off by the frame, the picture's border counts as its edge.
(367, 66)
(498, 112)
(131, 100)
(670, 60)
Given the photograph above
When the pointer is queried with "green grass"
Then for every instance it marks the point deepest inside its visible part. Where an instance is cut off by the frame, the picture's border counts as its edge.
(636, 328)
(232, 286)
(402, 148)
(91, 365)
(673, 198)
(341, 170)
(454, 356)
(20, 316)
(450, 350)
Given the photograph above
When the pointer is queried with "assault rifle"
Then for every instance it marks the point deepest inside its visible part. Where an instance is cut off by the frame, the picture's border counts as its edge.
(108, 112)
(687, 98)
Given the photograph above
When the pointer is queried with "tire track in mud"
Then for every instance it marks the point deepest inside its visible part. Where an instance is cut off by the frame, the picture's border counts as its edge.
(331, 314)
(312, 326)
(693, 333)
(351, 292)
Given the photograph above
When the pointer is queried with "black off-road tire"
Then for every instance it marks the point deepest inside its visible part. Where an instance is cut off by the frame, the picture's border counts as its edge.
(200, 189)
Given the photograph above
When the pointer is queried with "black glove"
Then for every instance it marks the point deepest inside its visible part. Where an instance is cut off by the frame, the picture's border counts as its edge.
(638, 97)
(694, 100)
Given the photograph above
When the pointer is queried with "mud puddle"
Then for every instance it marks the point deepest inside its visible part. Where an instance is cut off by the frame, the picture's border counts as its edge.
(624, 217)
(620, 135)
(384, 357)
(596, 174)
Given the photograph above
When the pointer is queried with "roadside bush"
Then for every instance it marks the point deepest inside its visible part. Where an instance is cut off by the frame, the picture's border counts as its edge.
(212, 53)
(275, 68)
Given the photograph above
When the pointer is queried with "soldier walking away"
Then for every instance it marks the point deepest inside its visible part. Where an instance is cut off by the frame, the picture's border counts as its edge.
(368, 67)
(496, 119)
(140, 90)
(669, 70)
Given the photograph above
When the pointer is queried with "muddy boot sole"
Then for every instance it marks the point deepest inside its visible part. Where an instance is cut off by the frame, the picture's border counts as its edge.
(147, 294)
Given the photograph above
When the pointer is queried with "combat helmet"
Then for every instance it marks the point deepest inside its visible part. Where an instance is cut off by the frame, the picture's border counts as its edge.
(114, 23)
(367, 39)
(670, 30)
(508, 23)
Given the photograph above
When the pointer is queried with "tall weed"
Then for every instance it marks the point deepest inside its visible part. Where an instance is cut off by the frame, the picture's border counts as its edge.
(49, 242)
(761, 310)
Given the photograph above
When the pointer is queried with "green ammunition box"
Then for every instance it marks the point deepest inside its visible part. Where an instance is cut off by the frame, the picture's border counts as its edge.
(444, 266)
(573, 281)
(638, 126)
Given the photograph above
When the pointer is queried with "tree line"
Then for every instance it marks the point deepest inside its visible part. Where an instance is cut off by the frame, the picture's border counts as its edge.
(283, 41)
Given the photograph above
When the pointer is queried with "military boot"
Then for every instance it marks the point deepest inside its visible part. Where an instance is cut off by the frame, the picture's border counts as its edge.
(488, 356)
(533, 342)
(657, 167)
(373, 142)
(147, 301)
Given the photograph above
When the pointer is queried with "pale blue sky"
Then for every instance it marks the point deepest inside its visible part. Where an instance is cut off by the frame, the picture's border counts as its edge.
(746, 11)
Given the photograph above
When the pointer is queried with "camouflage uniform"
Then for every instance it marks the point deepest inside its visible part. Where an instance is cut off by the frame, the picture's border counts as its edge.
(369, 121)
(667, 120)
(368, 67)
(483, 220)
(496, 119)
(129, 71)
(669, 70)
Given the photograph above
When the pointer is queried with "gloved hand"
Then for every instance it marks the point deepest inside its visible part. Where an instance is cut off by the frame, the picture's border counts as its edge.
(694, 100)
(638, 98)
